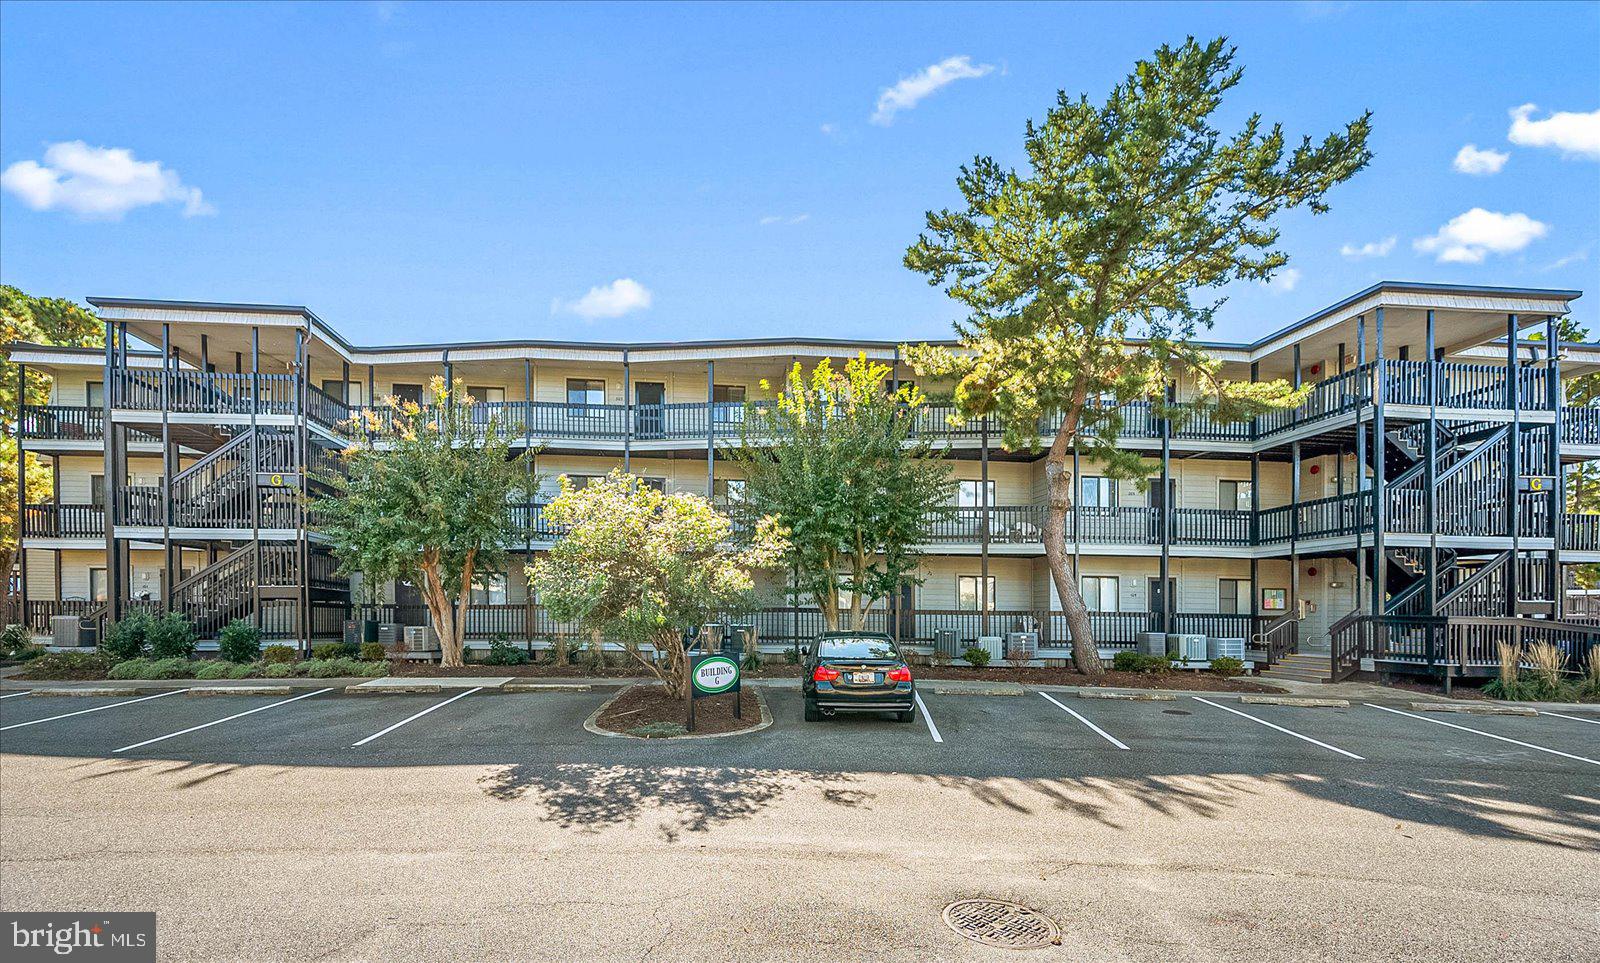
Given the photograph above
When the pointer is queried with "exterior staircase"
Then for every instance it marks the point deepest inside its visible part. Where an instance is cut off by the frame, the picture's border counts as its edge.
(1300, 667)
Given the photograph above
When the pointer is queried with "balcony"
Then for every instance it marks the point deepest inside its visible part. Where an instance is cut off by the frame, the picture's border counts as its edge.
(63, 423)
(218, 393)
(49, 520)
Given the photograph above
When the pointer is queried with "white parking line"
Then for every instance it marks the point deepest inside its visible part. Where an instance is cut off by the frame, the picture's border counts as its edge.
(1076, 715)
(65, 715)
(1558, 715)
(218, 722)
(15, 694)
(933, 730)
(419, 715)
(1525, 745)
(1269, 725)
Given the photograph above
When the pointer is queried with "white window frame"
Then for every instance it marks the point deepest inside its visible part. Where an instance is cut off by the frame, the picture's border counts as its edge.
(977, 599)
(1096, 601)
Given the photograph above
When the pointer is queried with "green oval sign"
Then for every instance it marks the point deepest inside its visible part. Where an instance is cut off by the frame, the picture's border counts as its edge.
(715, 675)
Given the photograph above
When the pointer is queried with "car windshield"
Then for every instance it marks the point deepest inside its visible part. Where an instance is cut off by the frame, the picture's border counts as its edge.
(853, 648)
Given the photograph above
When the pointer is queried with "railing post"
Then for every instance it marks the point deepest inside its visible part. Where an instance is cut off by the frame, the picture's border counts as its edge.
(1513, 466)
(1380, 574)
(1558, 501)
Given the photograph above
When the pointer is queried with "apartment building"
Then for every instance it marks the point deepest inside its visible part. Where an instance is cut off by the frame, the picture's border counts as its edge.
(1419, 486)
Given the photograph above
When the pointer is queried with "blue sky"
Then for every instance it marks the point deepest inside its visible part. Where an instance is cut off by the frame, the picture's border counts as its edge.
(418, 172)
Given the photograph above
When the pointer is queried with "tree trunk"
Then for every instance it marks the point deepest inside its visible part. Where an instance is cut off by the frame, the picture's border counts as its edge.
(1085, 652)
(676, 675)
(444, 615)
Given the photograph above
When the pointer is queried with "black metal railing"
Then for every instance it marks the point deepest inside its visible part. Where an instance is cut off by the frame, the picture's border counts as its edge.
(49, 520)
(63, 422)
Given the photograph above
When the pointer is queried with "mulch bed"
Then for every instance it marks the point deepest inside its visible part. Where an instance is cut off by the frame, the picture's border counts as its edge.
(1198, 681)
(1460, 690)
(580, 671)
(641, 705)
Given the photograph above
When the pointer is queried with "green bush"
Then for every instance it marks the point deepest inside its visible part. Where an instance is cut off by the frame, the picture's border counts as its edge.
(240, 670)
(333, 650)
(502, 652)
(170, 669)
(791, 655)
(278, 654)
(976, 656)
(373, 652)
(26, 653)
(331, 668)
(126, 639)
(13, 639)
(171, 637)
(55, 665)
(240, 642)
(277, 670)
(1139, 662)
(375, 669)
(131, 669)
(216, 669)
(1226, 667)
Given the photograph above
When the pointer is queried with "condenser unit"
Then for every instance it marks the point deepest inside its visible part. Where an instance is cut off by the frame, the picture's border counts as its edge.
(994, 645)
(1187, 648)
(390, 634)
(944, 642)
(1153, 643)
(421, 638)
(1022, 646)
(1225, 649)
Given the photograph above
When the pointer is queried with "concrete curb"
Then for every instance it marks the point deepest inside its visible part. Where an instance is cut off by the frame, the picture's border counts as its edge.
(591, 725)
(1474, 709)
(967, 688)
(1126, 696)
(405, 688)
(101, 691)
(1266, 700)
(546, 687)
(227, 690)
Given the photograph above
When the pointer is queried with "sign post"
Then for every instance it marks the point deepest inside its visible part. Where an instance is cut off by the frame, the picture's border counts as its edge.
(713, 675)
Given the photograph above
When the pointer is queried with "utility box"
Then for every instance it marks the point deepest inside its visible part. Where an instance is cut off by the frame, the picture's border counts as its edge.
(390, 634)
(1225, 649)
(1022, 646)
(66, 630)
(1187, 648)
(421, 638)
(994, 645)
(1152, 643)
(944, 643)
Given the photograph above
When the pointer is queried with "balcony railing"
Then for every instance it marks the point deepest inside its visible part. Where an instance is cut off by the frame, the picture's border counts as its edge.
(1580, 532)
(49, 520)
(63, 422)
(1580, 426)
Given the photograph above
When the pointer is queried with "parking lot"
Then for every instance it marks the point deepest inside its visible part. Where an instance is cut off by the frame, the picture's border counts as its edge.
(502, 808)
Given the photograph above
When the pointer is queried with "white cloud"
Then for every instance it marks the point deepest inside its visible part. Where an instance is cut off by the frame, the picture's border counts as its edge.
(99, 183)
(622, 296)
(1286, 280)
(1576, 257)
(1369, 249)
(1471, 160)
(1472, 236)
(781, 219)
(911, 90)
(829, 129)
(1575, 135)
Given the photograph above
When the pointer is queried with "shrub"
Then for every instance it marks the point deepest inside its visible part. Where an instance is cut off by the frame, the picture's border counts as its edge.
(170, 669)
(240, 670)
(240, 642)
(217, 669)
(791, 655)
(55, 665)
(331, 668)
(277, 670)
(1226, 667)
(333, 650)
(976, 656)
(373, 652)
(126, 639)
(502, 652)
(131, 669)
(1139, 662)
(26, 653)
(278, 654)
(375, 668)
(170, 637)
(14, 639)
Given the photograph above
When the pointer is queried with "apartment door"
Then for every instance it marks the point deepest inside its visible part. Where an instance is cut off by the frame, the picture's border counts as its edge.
(1158, 598)
(649, 409)
(1161, 500)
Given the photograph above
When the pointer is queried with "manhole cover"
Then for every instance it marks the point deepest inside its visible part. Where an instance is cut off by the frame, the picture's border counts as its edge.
(995, 922)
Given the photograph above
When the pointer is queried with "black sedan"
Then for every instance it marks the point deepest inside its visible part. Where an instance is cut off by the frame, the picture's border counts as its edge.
(857, 672)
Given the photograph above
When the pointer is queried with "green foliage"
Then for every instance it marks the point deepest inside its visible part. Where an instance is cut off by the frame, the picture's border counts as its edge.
(1139, 662)
(639, 566)
(240, 641)
(791, 656)
(169, 668)
(373, 652)
(217, 669)
(17, 645)
(424, 498)
(56, 665)
(277, 670)
(276, 654)
(837, 461)
(333, 650)
(126, 639)
(171, 636)
(1227, 667)
(976, 656)
(1087, 275)
(374, 669)
(502, 652)
(130, 669)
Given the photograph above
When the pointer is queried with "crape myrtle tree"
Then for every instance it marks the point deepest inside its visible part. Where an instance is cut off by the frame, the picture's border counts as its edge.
(25, 318)
(836, 458)
(425, 497)
(642, 567)
(1082, 274)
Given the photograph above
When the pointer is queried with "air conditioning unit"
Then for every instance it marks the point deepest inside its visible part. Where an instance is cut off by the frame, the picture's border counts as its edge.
(1022, 646)
(1187, 648)
(1153, 643)
(390, 633)
(421, 638)
(66, 630)
(1225, 649)
(994, 645)
(352, 631)
(944, 642)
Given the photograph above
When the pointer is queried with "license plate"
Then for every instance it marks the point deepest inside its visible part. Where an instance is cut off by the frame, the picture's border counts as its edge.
(863, 678)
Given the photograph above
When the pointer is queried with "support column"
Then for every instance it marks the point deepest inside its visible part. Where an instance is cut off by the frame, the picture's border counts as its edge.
(255, 466)
(1167, 602)
(169, 371)
(983, 528)
(627, 423)
(529, 495)
(22, 495)
(1361, 465)
(1513, 468)
(1430, 590)
(302, 367)
(711, 428)
(1558, 507)
(1380, 574)
(1294, 503)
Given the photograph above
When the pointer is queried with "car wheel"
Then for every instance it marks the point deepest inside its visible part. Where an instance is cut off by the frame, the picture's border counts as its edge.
(905, 716)
(813, 714)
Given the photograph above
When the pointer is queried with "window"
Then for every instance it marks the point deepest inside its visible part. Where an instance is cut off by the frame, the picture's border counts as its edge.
(411, 393)
(727, 403)
(97, 585)
(1233, 495)
(483, 394)
(97, 491)
(584, 396)
(847, 647)
(1233, 596)
(659, 484)
(1097, 492)
(95, 394)
(1100, 592)
(580, 482)
(727, 491)
(969, 493)
(967, 592)
(489, 589)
